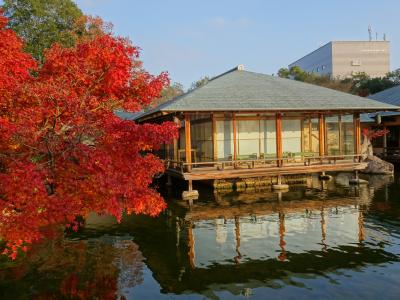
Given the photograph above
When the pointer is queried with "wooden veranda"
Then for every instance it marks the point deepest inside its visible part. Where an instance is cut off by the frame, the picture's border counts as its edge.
(282, 163)
(261, 167)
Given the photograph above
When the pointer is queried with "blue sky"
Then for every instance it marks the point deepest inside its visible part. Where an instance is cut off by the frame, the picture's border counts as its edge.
(190, 39)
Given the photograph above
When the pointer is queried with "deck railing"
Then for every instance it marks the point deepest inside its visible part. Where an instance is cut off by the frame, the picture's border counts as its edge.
(264, 162)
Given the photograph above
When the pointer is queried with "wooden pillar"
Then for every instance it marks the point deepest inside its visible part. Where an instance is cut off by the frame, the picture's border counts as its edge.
(323, 230)
(357, 133)
(188, 143)
(321, 135)
(385, 141)
(176, 146)
(234, 136)
(191, 245)
(190, 185)
(278, 128)
(282, 243)
(361, 229)
(237, 235)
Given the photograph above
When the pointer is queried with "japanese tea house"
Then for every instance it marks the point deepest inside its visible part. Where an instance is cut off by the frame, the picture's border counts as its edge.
(243, 124)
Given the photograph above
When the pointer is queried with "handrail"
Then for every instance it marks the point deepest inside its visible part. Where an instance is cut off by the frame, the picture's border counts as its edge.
(182, 165)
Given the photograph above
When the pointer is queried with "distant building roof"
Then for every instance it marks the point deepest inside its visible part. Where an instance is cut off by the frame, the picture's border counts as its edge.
(389, 96)
(239, 90)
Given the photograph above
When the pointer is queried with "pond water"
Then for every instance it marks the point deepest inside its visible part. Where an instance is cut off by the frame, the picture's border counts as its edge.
(321, 240)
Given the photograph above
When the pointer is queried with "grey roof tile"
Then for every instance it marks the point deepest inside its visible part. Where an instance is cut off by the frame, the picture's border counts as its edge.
(389, 96)
(239, 90)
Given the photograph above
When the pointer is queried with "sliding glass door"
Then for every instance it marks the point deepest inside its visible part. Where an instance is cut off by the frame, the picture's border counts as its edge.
(310, 134)
(339, 135)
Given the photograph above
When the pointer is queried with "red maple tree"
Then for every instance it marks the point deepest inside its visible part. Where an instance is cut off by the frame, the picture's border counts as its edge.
(63, 152)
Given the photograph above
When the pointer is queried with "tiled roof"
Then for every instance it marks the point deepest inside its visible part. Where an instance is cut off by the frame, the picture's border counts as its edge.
(389, 96)
(239, 90)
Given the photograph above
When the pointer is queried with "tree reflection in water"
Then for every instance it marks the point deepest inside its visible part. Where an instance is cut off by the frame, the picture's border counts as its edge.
(82, 269)
(237, 244)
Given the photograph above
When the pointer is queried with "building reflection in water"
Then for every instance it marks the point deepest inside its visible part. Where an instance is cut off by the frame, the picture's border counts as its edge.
(261, 235)
(266, 230)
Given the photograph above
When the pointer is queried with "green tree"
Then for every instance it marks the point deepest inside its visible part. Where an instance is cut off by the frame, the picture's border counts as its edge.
(168, 93)
(394, 76)
(359, 84)
(284, 73)
(40, 23)
(202, 81)
(364, 85)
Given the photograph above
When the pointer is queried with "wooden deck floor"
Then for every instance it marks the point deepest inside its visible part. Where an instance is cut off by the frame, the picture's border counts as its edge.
(206, 173)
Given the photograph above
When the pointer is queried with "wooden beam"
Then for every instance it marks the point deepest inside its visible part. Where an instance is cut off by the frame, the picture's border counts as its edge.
(214, 137)
(278, 127)
(234, 136)
(321, 135)
(357, 133)
(188, 143)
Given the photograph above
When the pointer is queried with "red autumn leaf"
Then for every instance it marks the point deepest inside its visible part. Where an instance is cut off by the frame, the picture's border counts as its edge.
(63, 152)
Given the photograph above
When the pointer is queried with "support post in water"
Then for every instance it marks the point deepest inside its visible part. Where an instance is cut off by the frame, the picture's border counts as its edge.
(357, 180)
(325, 177)
(190, 194)
(279, 186)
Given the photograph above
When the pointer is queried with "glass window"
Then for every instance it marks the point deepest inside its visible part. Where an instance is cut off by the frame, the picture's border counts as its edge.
(224, 141)
(201, 139)
(315, 136)
(268, 138)
(332, 135)
(347, 134)
(311, 136)
(248, 136)
(340, 135)
(291, 137)
(306, 136)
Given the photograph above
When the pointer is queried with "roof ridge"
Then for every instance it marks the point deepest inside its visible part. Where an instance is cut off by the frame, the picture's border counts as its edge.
(237, 68)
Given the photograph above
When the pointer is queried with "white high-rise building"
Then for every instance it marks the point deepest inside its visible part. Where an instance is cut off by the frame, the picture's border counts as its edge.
(342, 59)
